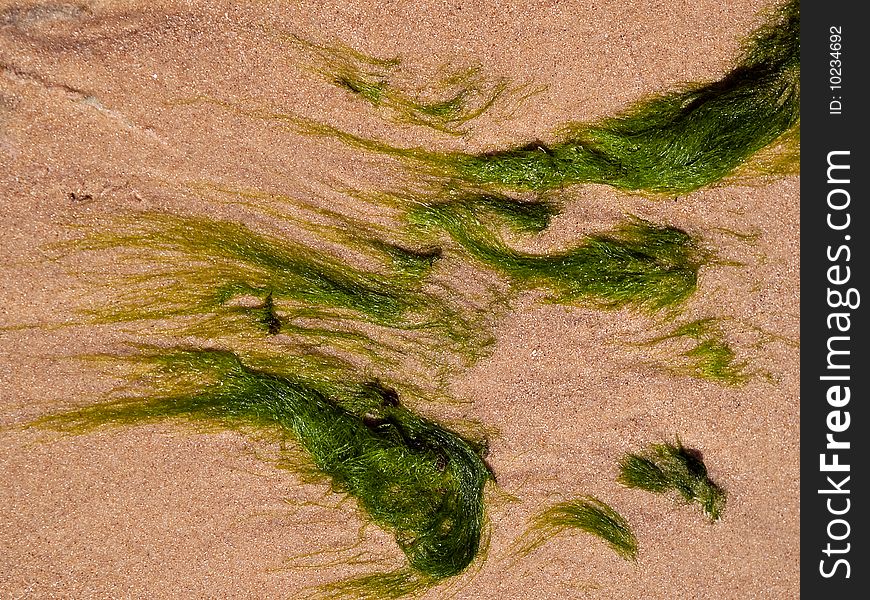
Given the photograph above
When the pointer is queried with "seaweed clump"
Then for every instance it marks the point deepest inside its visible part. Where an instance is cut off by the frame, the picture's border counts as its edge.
(664, 468)
(638, 264)
(585, 513)
(409, 475)
(674, 143)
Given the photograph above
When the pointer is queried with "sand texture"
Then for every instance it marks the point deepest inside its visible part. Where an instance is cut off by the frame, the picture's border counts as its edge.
(96, 119)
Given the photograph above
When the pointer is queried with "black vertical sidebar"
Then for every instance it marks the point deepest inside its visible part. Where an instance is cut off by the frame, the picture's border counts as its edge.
(835, 300)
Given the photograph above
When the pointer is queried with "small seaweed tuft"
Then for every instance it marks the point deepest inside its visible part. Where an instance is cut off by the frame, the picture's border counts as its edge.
(446, 104)
(664, 468)
(711, 357)
(269, 317)
(389, 585)
(586, 513)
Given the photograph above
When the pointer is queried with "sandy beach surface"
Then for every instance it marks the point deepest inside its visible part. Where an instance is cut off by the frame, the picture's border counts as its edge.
(96, 117)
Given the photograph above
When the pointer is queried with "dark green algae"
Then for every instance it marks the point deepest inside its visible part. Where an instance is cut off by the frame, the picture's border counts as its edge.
(411, 476)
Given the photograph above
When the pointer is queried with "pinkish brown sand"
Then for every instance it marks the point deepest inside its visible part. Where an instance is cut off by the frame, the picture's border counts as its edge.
(86, 107)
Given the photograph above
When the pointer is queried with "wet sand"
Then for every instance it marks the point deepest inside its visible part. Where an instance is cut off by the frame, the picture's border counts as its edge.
(92, 122)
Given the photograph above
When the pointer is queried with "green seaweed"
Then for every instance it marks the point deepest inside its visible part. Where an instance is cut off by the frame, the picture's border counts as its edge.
(711, 357)
(210, 270)
(409, 475)
(400, 583)
(669, 144)
(588, 514)
(493, 209)
(674, 143)
(638, 263)
(447, 104)
(234, 261)
(666, 467)
(358, 73)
